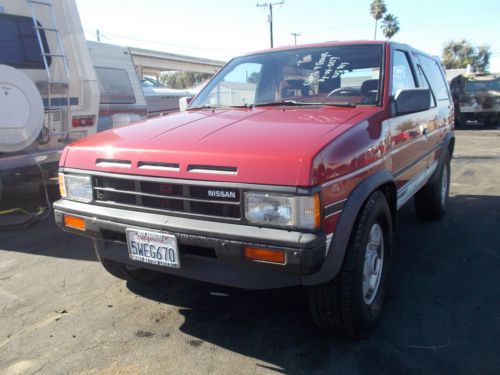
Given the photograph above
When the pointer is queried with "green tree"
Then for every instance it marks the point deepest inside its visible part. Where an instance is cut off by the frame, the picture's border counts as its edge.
(254, 77)
(460, 53)
(390, 25)
(184, 80)
(377, 10)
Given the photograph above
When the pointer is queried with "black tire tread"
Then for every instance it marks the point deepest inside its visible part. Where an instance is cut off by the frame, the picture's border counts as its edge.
(116, 269)
(428, 199)
(121, 271)
(331, 304)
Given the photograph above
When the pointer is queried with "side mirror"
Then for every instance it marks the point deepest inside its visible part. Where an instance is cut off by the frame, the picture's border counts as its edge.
(184, 102)
(411, 101)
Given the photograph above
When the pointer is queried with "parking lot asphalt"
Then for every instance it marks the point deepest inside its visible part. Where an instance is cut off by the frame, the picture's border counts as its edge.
(61, 313)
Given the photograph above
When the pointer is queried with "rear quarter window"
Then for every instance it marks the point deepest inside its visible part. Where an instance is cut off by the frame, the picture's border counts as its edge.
(115, 86)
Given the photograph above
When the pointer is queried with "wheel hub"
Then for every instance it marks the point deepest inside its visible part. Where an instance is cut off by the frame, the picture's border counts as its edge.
(373, 264)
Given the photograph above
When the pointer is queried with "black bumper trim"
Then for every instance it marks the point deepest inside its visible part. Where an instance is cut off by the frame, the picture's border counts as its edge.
(304, 252)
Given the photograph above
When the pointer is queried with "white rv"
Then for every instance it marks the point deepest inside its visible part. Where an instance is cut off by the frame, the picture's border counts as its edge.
(122, 101)
(49, 95)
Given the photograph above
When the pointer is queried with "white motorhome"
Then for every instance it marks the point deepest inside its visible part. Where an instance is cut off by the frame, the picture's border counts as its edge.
(122, 101)
(49, 94)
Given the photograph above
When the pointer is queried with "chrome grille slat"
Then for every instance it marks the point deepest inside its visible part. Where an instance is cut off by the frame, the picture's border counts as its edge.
(165, 196)
(190, 214)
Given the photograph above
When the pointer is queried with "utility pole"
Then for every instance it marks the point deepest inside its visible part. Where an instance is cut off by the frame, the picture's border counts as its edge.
(98, 34)
(270, 5)
(295, 35)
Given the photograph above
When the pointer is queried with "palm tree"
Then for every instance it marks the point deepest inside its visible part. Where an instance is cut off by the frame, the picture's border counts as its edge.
(377, 10)
(390, 25)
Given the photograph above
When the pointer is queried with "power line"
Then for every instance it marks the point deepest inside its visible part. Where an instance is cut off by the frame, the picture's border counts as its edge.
(142, 40)
(270, 5)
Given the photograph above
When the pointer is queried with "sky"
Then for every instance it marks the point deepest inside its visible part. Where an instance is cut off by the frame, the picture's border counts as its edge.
(221, 29)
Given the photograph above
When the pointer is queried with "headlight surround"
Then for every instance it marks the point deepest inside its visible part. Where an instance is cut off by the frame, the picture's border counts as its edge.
(279, 210)
(76, 188)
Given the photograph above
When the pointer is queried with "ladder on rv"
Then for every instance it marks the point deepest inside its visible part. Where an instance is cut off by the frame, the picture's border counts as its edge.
(55, 107)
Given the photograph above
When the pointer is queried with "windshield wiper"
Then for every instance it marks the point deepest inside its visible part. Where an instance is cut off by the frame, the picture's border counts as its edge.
(282, 102)
(294, 103)
(211, 106)
(341, 104)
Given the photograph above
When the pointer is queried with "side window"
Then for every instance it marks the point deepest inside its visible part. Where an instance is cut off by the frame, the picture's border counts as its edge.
(425, 85)
(402, 76)
(115, 86)
(19, 45)
(436, 80)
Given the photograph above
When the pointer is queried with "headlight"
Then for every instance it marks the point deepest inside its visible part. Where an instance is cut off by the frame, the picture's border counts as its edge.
(283, 210)
(77, 188)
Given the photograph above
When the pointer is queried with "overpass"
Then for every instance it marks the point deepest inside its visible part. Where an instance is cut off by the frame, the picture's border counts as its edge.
(149, 62)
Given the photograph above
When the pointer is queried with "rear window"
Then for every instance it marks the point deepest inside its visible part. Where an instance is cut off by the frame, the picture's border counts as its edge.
(115, 86)
(19, 46)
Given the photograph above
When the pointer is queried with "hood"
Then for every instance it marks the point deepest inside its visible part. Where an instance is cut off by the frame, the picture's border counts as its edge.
(259, 145)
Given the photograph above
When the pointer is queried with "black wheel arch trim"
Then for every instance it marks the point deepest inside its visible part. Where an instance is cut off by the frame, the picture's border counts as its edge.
(333, 261)
(445, 146)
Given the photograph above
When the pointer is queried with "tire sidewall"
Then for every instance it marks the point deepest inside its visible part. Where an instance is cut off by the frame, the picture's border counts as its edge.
(367, 315)
(438, 191)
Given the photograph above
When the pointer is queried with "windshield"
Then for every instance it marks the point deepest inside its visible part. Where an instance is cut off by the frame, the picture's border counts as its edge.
(483, 85)
(320, 75)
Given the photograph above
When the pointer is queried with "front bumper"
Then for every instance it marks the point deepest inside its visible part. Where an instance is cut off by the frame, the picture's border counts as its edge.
(209, 251)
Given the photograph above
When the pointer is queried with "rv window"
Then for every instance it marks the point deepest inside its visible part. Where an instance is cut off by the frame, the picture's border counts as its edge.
(19, 45)
(115, 86)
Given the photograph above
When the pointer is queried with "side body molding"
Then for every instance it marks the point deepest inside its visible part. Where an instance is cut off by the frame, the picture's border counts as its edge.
(333, 262)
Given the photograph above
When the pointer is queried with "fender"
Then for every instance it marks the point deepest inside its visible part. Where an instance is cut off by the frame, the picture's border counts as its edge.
(333, 262)
(450, 137)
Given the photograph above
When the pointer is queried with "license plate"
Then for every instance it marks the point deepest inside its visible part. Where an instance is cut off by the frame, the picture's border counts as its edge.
(153, 248)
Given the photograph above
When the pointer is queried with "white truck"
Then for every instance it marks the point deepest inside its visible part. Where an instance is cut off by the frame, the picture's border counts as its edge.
(49, 94)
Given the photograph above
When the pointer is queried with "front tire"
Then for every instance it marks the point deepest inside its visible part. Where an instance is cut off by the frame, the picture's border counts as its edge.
(350, 305)
(128, 273)
(431, 201)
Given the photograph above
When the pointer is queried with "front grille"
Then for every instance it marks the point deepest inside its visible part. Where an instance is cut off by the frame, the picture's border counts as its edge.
(169, 197)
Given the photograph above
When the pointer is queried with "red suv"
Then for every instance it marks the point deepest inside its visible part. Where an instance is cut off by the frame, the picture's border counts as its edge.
(288, 168)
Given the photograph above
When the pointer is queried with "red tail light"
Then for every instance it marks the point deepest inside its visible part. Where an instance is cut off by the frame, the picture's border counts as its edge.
(83, 121)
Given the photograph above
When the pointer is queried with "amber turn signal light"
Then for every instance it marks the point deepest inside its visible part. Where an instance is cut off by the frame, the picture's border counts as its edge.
(74, 222)
(266, 255)
(317, 211)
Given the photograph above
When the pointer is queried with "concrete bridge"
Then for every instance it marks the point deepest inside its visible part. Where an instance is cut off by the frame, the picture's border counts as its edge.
(149, 62)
